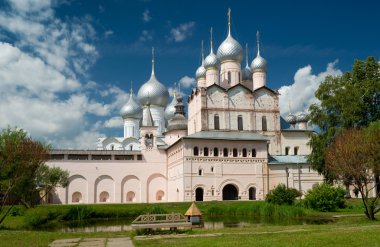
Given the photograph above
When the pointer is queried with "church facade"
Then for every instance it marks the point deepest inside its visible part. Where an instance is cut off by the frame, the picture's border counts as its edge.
(232, 145)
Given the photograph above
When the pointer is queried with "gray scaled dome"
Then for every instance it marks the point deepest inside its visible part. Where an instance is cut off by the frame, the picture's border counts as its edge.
(247, 75)
(211, 61)
(153, 92)
(230, 49)
(201, 72)
(291, 119)
(170, 109)
(302, 117)
(132, 109)
(259, 64)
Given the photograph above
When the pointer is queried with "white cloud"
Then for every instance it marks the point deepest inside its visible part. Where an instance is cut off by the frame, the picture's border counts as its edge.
(146, 16)
(43, 69)
(182, 32)
(146, 35)
(300, 94)
(114, 122)
(187, 82)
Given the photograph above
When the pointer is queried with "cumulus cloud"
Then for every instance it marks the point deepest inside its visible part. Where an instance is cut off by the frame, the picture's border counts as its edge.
(182, 32)
(114, 122)
(300, 94)
(146, 16)
(44, 87)
(187, 82)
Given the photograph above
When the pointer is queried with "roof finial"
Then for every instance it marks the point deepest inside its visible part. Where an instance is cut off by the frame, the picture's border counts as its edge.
(131, 90)
(229, 21)
(258, 42)
(211, 43)
(246, 55)
(175, 89)
(203, 55)
(152, 60)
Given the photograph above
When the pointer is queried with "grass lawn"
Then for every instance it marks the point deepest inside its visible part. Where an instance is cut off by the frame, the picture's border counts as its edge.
(345, 231)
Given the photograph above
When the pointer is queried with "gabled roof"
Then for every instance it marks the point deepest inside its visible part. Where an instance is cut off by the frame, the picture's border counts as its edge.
(267, 88)
(240, 85)
(228, 135)
(287, 159)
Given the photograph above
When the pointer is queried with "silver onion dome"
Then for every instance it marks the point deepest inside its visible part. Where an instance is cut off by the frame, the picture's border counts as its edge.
(201, 72)
(211, 61)
(302, 117)
(259, 64)
(247, 75)
(132, 109)
(170, 109)
(230, 49)
(153, 92)
(291, 119)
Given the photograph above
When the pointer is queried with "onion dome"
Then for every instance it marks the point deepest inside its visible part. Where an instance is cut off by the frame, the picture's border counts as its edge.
(211, 60)
(291, 119)
(201, 71)
(230, 49)
(302, 117)
(247, 75)
(259, 64)
(153, 92)
(132, 109)
(179, 121)
(170, 109)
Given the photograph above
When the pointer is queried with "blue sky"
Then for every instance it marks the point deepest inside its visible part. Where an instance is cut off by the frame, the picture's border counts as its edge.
(66, 66)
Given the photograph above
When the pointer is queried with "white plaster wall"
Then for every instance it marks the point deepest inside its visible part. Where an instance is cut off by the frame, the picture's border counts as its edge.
(295, 139)
(131, 128)
(107, 184)
(158, 115)
(78, 183)
(230, 66)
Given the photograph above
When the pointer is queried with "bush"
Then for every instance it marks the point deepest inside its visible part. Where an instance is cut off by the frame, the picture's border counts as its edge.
(325, 198)
(282, 195)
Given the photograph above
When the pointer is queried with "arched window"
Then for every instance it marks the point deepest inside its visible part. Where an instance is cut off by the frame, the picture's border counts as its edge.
(225, 152)
(205, 152)
(229, 77)
(240, 122)
(195, 151)
(244, 152)
(287, 150)
(212, 169)
(130, 196)
(104, 197)
(253, 152)
(264, 123)
(295, 150)
(216, 122)
(239, 77)
(200, 171)
(160, 195)
(216, 152)
(235, 152)
(112, 147)
(76, 197)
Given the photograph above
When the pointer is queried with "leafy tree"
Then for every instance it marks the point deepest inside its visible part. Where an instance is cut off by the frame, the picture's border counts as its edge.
(325, 197)
(21, 168)
(282, 195)
(348, 101)
(355, 155)
(47, 178)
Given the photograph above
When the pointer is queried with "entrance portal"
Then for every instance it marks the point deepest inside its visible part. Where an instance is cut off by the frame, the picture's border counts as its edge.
(199, 194)
(252, 193)
(230, 192)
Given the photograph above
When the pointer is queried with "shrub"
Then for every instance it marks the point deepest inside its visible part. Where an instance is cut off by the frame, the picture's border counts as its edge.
(282, 195)
(325, 198)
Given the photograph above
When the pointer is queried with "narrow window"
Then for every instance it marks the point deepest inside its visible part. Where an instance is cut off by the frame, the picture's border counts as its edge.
(216, 152)
(264, 123)
(200, 172)
(212, 169)
(205, 152)
(225, 152)
(287, 150)
(253, 152)
(295, 150)
(244, 152)
(239, 77)
(216, 122)
(240, 122)
(229, 77)
(196, 151)
(235, 152)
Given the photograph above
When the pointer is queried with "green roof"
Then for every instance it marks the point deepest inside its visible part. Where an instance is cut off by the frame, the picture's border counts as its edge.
(287, 159)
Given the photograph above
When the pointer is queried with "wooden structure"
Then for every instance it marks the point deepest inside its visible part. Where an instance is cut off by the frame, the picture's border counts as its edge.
(194, 214)
(161, 221)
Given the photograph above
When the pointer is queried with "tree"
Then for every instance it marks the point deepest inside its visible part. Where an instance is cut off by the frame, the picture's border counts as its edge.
(355, 154)
(325, 197)
(282, 195)
(21, 168)
(349, 101)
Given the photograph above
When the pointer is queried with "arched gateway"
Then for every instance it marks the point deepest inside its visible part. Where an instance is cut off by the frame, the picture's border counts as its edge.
(199, 194)
(230, 192)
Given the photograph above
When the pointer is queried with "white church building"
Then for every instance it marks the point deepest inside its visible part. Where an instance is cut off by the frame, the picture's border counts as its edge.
(232, 145)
